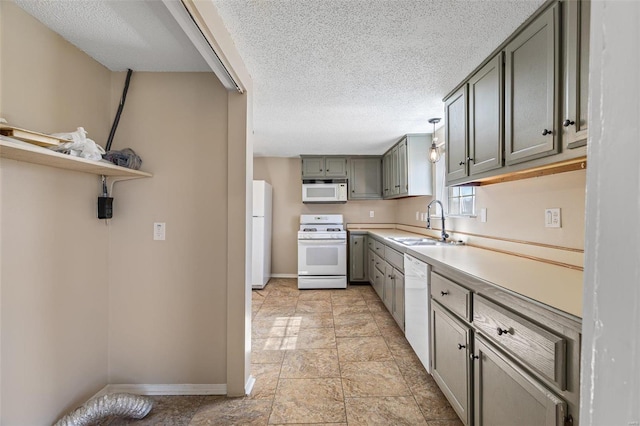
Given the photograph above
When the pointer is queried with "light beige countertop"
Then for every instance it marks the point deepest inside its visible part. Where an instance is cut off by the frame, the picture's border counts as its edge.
(556, 286)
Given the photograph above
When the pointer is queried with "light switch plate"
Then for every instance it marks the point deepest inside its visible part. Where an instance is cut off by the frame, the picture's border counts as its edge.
(552, 218)
(159, 231)
(483, 215)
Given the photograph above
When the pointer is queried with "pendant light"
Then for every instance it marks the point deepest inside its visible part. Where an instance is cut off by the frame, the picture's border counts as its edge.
(434, 152)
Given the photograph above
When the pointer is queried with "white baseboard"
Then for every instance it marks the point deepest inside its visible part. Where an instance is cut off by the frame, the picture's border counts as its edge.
(160, 389)
(284, 275)
(248, 387)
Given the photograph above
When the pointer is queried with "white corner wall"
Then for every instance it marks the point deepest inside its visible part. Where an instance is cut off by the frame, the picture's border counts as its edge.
(610, 391)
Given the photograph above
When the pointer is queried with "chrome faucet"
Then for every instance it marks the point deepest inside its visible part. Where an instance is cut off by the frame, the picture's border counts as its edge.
(443, 233)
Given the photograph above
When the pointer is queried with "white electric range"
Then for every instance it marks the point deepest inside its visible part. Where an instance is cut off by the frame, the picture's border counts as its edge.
(322, 252)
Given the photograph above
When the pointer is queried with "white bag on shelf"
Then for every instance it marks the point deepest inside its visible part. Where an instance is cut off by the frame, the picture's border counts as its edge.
(79, 145)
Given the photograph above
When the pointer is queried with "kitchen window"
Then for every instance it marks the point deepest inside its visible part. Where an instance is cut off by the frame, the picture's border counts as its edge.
(462, 201)
(458, 200)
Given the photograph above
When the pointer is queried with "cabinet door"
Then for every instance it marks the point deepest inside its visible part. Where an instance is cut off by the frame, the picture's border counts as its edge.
(388, 286)
(365, 181)
(394, 168)
(403, 171)
(398, 298)
(575, 119)
(455, 111)
(371, 262)
(378, 278)
(485, 117)
(505, 394)
(335, 167)
(312, 167)
(386, 175)
(450, 340)
(357, 247)
(532, 90)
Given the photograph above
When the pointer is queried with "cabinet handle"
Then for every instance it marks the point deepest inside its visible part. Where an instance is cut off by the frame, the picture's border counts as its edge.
(472, 356)
(464, 161)
(444, 293)
(502, 331)
(355, 243)
(546, 132)
(461, 346)
(567, 123)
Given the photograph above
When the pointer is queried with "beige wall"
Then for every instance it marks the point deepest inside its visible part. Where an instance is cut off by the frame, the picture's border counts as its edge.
(54, 250)
(284, 174)
(167, 298)
(515, 210)
(86, 302)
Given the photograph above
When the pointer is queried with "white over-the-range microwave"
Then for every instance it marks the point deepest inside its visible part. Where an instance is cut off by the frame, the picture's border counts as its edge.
(324, 192)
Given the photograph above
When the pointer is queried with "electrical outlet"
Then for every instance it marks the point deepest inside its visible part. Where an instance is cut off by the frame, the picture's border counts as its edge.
(552, 218)
(417, 215)
(372, 213)
(159, 231)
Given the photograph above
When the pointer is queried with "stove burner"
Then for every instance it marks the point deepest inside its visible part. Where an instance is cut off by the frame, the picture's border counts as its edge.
(310, 229)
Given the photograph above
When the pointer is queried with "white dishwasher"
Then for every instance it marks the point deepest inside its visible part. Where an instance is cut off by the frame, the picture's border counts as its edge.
(417, 312)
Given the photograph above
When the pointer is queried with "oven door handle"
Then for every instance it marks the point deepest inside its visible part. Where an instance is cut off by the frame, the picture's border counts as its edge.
(328, 241)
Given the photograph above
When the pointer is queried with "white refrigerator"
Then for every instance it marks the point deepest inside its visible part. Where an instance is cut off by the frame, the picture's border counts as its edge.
(261, 257)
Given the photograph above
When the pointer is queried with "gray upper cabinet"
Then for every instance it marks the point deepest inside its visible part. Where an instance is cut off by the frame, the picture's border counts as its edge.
(365, 180)
(507, 395)
(486, 110)
(532, 90)
(406, 167)
(455, 112)
(576, 80)
(324, 167)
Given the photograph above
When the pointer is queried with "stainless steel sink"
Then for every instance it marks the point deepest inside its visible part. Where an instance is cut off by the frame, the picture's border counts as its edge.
(418, 241)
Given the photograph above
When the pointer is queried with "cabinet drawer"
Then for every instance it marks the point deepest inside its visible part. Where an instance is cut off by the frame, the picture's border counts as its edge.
(379, 262)
(536, 347)
(394, 257)
(451, 295)
(378, 248)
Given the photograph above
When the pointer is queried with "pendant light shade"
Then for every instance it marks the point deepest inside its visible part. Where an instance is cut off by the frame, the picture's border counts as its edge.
(434, 152)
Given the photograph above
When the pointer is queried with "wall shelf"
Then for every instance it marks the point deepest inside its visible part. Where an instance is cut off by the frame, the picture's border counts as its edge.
(34, 154)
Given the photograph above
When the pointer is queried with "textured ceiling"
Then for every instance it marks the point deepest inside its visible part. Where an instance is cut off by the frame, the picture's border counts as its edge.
(349, 76)
(329, 76)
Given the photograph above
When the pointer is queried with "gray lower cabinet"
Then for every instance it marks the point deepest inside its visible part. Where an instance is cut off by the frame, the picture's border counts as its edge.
(575, 123)
(398, 298)
(501, 359)
(357, 257)
(371, 265)
(388, 286)
(365, 180)
(450, 351)
(386, 275)
(505, 394)
(532, 97)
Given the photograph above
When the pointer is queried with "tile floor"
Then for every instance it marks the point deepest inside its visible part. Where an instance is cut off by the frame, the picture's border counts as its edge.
(320, 357)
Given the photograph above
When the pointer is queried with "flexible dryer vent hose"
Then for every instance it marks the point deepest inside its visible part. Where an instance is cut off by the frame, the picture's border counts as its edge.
(115, 404)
